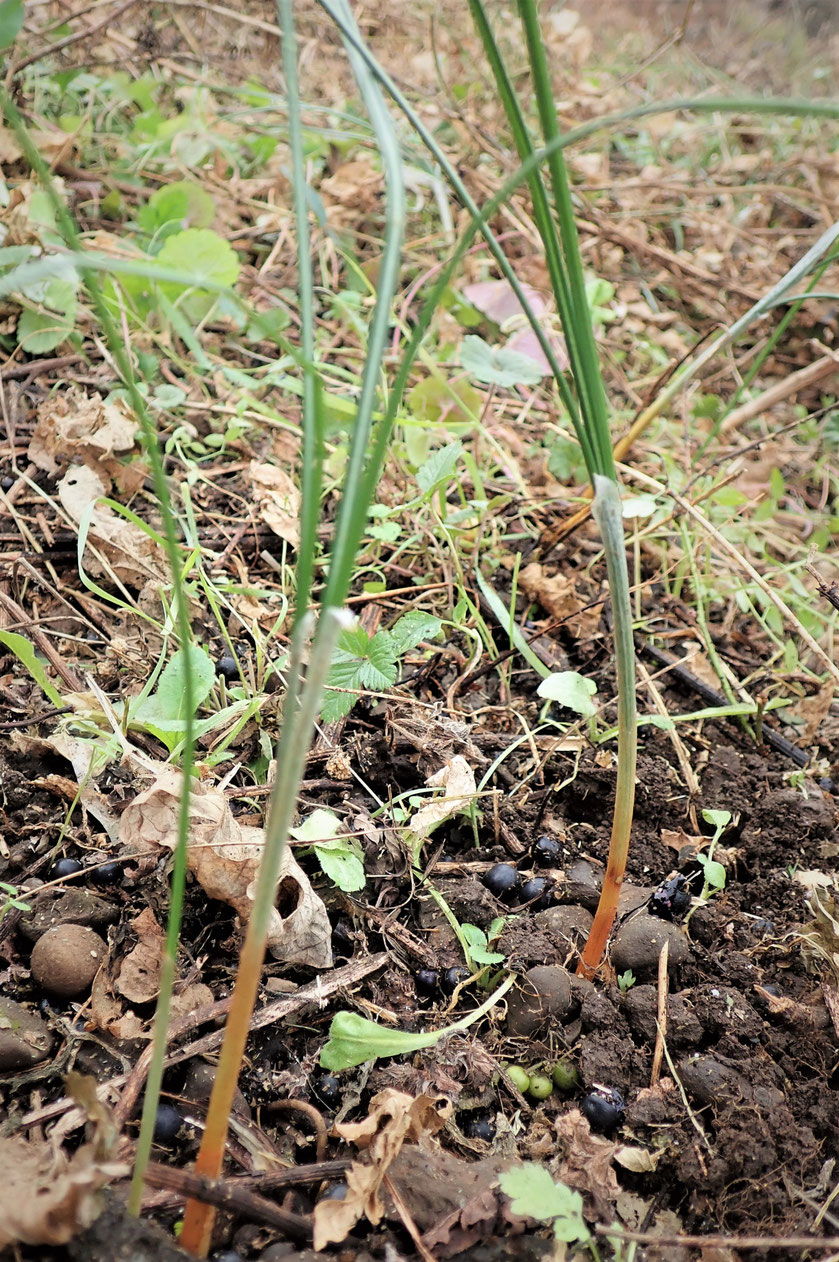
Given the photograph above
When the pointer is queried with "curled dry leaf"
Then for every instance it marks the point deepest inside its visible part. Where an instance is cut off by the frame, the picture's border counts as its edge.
(131, 554)
(73, 426)
(557, 594)
(394, 1119)
(224, 857)
(277, 500)
(585, 1163)
(45, 1197)
(457, 779)
(139, 974)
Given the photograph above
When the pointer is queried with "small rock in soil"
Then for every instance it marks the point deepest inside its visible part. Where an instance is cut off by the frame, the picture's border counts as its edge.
(683, 1027)
(638, 944)
(25, 1039)
(66, 960)
(566, 926)
(67, 907)
(582, 884)
(708, 1081)
(544, 992)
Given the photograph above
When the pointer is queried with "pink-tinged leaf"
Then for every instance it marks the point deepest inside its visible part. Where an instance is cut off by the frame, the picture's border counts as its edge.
(495, 299)
(524, 343)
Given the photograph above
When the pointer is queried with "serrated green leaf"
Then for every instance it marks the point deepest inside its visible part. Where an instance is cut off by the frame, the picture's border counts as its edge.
(534, 1194)
(439, 467)
(342, 861)
(379, 670)
(570, 689)
(412, 628)
(498, 366)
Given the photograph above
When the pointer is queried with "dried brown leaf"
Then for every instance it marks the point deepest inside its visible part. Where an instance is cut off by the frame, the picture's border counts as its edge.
(277, 500)
(139, 974)
(585, 1163)
(45, 1197)
(224, 857)
(394, 1118)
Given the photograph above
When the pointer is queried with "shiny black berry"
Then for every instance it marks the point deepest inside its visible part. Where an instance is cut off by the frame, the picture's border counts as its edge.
(167, 1123)
(603, 1108)
(672, 898)
(536, 892)
(477, 1126)
(227, 668)
(501, 880)
(65, 867)
(328, 1090)
(547, 852)
(426, 981)
(107, 873)
(451, 979)
(826, 784)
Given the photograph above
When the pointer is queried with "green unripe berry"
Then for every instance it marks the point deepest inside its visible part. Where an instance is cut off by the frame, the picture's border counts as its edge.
(565, 1075)
(519, 1077)
(540, 1087)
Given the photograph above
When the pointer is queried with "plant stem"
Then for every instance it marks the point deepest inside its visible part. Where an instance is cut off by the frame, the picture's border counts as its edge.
(607, 513)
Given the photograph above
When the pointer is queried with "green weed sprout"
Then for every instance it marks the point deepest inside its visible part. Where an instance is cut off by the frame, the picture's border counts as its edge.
(714, 872)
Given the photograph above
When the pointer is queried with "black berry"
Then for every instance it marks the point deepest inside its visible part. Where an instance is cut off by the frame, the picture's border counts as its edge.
(426, 981)
(227, 668)
(477, 1126)
(167, 1123)
(537, 892)
(328, 1090)
(229, 1255)
(547, 852)
(501, 880)
(603, 1108)
(66, 867)
(672, 898)
(451, 979)
(826, 784)
(107, 873)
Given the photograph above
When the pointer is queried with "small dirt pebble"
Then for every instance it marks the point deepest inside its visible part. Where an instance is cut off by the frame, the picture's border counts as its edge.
(66, 960)
(67, 907)
(638, 944)
(199, 1083)
(543, 992)
(566, 926)
(684, 1029)
(25, 1039)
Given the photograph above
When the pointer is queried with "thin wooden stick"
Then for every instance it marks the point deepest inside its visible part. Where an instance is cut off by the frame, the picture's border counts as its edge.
(661, 1032)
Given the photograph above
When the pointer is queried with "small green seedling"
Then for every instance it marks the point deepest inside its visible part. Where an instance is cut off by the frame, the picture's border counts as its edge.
(626, 981)
(341, 858)
(534, 1194)
(714, 872)
(369, 661)
(11, 899)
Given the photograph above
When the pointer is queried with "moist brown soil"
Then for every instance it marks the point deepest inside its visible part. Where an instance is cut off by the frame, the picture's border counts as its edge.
(745, 1117)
